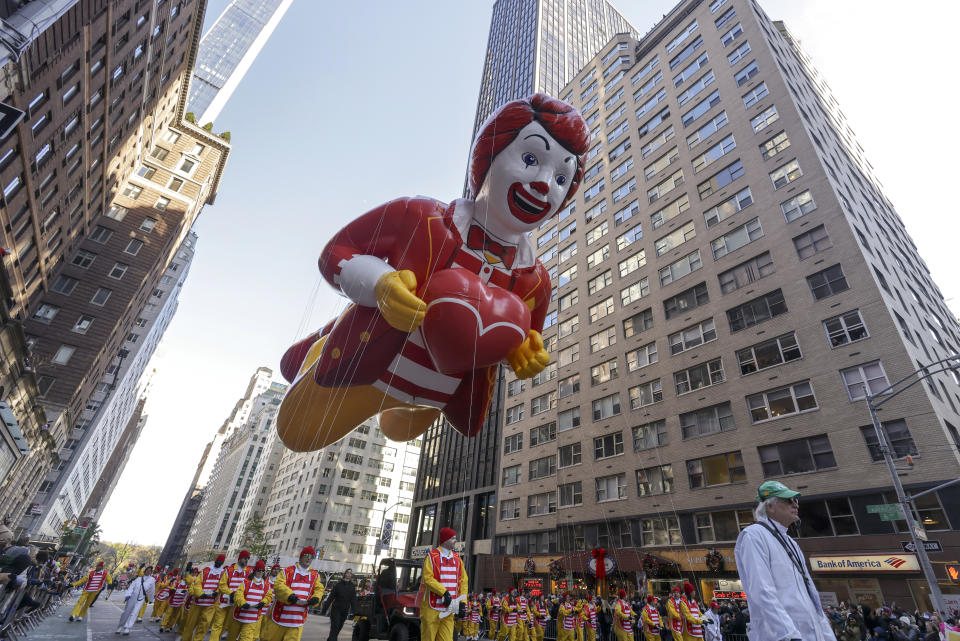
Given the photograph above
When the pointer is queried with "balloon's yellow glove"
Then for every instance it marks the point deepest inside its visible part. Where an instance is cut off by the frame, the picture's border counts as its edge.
(397, 301)
(529, 358)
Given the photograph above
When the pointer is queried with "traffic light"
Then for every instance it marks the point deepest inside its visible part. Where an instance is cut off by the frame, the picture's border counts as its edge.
(953, 571)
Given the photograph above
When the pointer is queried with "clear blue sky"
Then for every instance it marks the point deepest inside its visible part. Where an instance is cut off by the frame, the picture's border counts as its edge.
(353, 104)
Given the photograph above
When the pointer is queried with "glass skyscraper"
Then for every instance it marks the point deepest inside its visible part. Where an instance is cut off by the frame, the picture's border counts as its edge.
(227, 50)
(539, 45)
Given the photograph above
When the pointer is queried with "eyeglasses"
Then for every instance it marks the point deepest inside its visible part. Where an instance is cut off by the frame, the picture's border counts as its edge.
(793, 501)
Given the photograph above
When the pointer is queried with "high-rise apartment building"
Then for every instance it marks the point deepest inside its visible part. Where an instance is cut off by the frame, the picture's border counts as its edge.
(227, 50)
(91, 460)
(101, 182)
(339, 498)
(242, 451)
(533, 45)
(730, 282)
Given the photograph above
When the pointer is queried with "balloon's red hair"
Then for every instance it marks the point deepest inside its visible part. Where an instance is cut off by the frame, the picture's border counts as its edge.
(561, 120)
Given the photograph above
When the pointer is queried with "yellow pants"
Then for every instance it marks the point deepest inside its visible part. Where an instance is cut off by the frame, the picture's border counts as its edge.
(677, 636)
(520, 631)
(505, 632)
(221, 621)
(171, 617)
(190, 622)
(233, 628)
(650, 636)
(492, 629)
(564, 635)
(621, 634)
(578, 631)
(80, 609)
(201, 622)
(270, 631)
(537, 632)
(432, 627)
(143, 608)
(159, 607)
(590, 633)
(250, 631)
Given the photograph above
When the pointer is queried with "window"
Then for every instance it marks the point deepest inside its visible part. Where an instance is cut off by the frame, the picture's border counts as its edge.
(545, 503)
(660, 163)
(46, 313)
(619, 150)
(698, 377)
(118, 270)
(511, 475)
(692, 336)
(637, 323)
(571, 494)
(159, 153)
(569, 326)
(736, 238)
(676, 42)
(606, 407)
(132, 191)
(607, 446)
(629, 237)
(611, 488)
(597, 283)
(655, 480)
(721, 526)
(83, 258)
(686, 300)
(515, 387)
(720, 179)
(544, 402)
(729, 207)
(601, 309)
(785, 174)
(687, 72)
(713, 154)
(667, 185)
(671, 211)
(832, 517)
(858, 379)
(680, 268)
(675, 238)
(64, 285)
(634, 292)
(588, 194)
(512, 443)
(148, 224)
(845, 328)
(727, 16)
(647, 106)
(770, 353)
(133, 247)
(796, 456)
(100, 234)
(548, 373)
(629, 265)
(568, 300)
(663, 138)
(700, 108)
(756, 311)
(568, 419)
(598, 256)
(782, 401)
(116, 212)
(686, 53)
(812, 242)
(898, 436)
(569, 355)
(715, 124)
(735, 32)
(764, 119)
(827, 282)
(707, 420)
(929, 512)
(694, 90)
(603, 372)
(63, 354)
(646, 394)
(602, 339)
(626, 213)
(566, 276)
(543, 434)
(756, 94)
(649, 435)
(590, 214)
(775, 145)
(161, 203)
(716, 470)
(509, 509)
(514, 414)
(542, 467)
(798, 206)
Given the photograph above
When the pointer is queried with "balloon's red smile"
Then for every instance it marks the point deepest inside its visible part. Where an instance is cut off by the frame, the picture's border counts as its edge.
(524, 206)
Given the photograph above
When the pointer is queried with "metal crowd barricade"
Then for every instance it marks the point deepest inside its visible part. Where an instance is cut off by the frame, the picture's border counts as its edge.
(16, 622)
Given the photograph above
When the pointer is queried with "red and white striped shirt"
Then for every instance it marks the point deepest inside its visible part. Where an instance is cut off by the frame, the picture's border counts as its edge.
(209, 580)
(178, 595)
(693, 629)
(253, 592)
(235, 576)
(301, 583)
(447, 572)
(95, 581)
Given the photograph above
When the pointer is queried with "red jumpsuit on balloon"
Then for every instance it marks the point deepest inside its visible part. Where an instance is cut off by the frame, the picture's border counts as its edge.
(363, 361)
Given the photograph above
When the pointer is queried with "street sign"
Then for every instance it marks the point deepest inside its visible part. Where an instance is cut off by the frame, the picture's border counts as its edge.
(890, 516)
(918, 531)
(9, 118)
(886, 508)
(387, 533)
(929, 546)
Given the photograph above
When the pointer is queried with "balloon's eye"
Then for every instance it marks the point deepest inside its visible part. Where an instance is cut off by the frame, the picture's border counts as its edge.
(561, 180)
(529, 159)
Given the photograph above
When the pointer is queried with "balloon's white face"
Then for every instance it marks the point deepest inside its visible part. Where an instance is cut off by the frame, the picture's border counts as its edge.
(527, 181)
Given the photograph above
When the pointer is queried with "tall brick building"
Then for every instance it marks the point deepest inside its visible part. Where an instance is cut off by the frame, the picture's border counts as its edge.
(729, 280)
(101, 183)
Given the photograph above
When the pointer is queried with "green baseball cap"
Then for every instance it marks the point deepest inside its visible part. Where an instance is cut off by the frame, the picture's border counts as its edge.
(775, 488)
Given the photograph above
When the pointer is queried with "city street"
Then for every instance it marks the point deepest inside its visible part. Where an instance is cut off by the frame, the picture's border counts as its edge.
(101, 623)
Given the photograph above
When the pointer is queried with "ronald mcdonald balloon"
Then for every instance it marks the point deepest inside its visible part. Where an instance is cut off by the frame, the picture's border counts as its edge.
(441, 293)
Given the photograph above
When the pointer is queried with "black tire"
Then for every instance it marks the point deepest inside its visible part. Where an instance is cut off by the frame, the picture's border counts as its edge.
(399, 632)
(361, 630)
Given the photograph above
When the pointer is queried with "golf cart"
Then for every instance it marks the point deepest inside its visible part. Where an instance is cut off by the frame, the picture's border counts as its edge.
(391, 611)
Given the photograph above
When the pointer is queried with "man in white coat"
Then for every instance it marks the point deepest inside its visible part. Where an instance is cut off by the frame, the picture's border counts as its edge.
(784, 603)
(711, 629)
(140, 589)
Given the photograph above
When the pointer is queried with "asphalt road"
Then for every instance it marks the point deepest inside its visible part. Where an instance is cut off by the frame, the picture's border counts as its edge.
(102, 620)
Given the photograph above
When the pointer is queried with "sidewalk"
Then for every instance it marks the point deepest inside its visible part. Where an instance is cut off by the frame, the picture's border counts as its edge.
(99, 625)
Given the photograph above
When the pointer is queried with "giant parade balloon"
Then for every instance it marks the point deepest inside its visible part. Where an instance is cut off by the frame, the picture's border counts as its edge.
(441, 293)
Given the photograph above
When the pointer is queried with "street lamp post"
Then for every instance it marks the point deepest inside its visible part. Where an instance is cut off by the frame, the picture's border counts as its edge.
(383, 522)
(874, 401)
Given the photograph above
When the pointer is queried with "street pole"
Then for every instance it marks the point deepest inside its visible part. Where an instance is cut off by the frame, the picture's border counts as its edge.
(907, 509)
(383, 522)
(874, 401)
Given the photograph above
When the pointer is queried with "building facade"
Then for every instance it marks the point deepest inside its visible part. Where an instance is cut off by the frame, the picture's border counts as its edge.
(101, 182)
(533, 45)
(730, 281)
(228, 49)
(338, 499)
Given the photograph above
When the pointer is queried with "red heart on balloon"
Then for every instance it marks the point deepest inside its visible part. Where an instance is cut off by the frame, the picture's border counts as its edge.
(468, 324)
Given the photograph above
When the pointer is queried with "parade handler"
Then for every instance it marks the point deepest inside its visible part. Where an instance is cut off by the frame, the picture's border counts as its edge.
(297, 588)
(567, 615)
(650, 616)
(674, 615)
(205, 591)
(178, 596)
(692, 617)
(493, 614)
(444, 580)
(92, 584)
(623, 618)
(230, 579)
(784, 602)
(251, 599)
